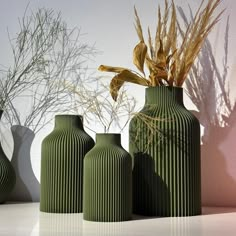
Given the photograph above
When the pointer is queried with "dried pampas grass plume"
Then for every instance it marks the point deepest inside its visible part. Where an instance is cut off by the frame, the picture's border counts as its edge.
(167, 60)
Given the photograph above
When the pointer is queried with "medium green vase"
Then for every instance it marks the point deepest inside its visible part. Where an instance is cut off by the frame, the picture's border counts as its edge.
(107, 181)
(7, 175)
(63, 151)
(165, 145)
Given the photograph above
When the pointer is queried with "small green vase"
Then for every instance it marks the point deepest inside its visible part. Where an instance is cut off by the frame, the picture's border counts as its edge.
(7, 175)
(107, 181)
(166, 152)
(63, 151)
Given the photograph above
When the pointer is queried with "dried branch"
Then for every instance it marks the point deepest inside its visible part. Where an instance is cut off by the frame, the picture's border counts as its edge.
(45, 52)
(93, 101)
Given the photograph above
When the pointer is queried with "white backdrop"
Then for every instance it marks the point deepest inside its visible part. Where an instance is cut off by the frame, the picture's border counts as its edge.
(109, 24)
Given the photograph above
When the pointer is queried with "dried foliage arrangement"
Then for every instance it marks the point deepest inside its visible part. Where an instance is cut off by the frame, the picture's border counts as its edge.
(46, 52)
(99, 110)
(167, 60)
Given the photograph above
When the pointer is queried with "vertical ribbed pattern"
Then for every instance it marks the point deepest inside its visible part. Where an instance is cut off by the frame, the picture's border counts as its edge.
(63, 152)
(166, 173)
(7, 175)
(107, 181)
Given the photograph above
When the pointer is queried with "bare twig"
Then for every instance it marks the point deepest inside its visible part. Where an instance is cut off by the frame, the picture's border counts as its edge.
(45, 52)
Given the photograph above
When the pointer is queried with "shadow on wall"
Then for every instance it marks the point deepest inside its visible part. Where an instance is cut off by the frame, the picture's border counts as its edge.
(209, 90)
(27, 186)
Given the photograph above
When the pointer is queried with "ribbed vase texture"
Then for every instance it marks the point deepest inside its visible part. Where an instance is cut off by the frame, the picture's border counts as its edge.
(165, 145)
(7, 175)
(107, 181)
(63, 152)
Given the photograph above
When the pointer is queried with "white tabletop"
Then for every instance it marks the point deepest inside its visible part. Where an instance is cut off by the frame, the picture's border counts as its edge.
(26, 219)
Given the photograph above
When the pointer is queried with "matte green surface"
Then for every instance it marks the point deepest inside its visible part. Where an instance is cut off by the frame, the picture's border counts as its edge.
(63, 151)
(107, 181)
(7, 175)
(166, 172)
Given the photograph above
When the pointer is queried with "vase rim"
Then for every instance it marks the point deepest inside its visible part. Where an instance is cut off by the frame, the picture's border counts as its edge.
(71, 115)
(166, 87)
(117, 135)
(23, 129)
(69, 121)
(107, 133)
(161, 95)
(68, 116)
(108, 138)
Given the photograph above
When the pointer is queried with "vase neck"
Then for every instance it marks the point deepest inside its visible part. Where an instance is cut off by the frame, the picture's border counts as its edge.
(107, 139)
(164, 95)
(68, 122)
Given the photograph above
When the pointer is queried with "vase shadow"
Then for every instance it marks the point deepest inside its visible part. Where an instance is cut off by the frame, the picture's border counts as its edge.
(155, 196)
(218, 181)
(27, 187)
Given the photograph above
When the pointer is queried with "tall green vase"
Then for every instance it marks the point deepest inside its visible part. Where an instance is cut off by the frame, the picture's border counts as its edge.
(107, 181)
(63, 151)
(165, 145)
(7, 175)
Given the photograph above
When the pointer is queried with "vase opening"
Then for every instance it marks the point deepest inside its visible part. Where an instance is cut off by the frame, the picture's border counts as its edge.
(110, 138)
(171, 95)
(68, 121)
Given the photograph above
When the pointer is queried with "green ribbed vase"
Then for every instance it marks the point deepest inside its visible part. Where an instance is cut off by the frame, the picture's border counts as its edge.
(107, 181)
(166, 172)
(7, 175)
(63, 151)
